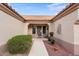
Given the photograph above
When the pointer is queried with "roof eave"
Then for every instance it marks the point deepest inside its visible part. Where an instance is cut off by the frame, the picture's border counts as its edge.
(66, 11)
(7, 9)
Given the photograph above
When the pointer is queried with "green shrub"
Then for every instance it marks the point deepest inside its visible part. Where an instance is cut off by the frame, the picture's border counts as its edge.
(19, 44)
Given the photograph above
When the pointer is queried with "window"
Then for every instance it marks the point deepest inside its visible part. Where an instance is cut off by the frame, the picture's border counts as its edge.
(44, 29)
(33, 30)
(59, 29)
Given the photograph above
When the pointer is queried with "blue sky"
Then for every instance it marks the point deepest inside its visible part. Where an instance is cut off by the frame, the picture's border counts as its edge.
(38, 8)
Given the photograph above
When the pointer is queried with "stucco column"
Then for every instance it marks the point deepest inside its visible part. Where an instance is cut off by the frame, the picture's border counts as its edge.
(50, 27)
(78, 13)
(42, 30)
(26, 28)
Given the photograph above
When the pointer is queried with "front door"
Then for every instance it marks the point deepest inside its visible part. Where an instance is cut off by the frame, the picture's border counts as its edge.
(39, 31)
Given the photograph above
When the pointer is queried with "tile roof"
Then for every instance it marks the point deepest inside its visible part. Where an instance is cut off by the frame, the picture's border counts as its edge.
(36, 17)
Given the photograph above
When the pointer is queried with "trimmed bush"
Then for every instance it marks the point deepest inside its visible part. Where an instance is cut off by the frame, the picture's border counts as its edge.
(19, 44)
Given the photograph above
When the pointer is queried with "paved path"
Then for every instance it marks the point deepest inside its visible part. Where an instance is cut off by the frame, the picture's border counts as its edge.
(38, 48)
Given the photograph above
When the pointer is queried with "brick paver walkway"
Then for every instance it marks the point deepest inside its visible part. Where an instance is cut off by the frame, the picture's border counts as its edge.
(56, 49)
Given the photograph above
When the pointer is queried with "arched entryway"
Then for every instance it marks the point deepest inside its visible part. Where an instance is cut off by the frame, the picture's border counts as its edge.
(38, 30)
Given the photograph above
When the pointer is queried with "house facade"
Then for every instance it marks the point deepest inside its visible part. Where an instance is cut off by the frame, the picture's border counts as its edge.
(11, 23)
(65, 22)
(38, 26)
(65, 26)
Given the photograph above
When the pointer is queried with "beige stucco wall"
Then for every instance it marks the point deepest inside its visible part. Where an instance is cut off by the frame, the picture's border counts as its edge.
(76, 39)
(67, 31)
(9, 27)
(50, 27)
(26, 28)
(67, 22)
(76, 34)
